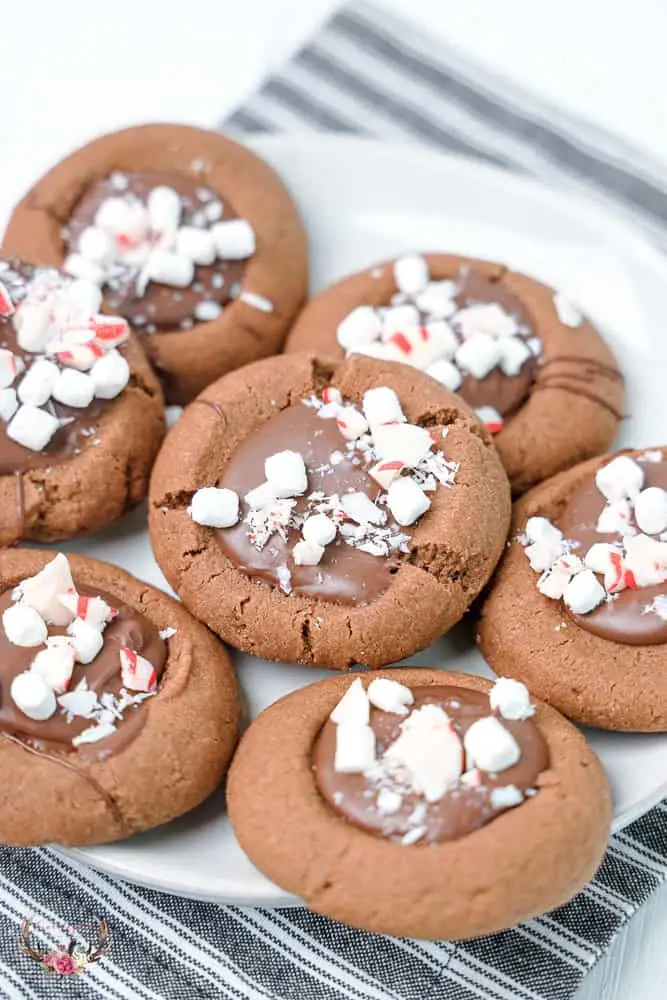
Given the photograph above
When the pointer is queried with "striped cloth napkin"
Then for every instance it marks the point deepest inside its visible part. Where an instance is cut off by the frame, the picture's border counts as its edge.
(364, 73)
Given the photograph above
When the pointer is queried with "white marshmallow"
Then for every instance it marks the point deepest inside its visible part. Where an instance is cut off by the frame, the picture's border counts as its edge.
(24, 626)
(428, 752)
(319, 528)
(382, 352)
(234, 240)
(620, 479)
(615, 519)
(411, 274)
(164, 208)
(446, 374)
(382, 406)
(443, 339)
(488, 318)
(437, 299)
(214, 507)
(540, 529)
(307, 553)
(87, 640)
(553, 582)
(261, 496)
(506, 797)
(360, 508)
(33, 696)
(9, 367)
(110, 375)
(390, 696)
(406, 501)
(81, 267)
(169, 268)
(651, 510)
(43, 590)
(123, 216)
(36, 386)
(74, 388)
(398, 318)
(386, 472)
(196, 244)
(541, 555)
(32, 323)
(583, 593)
(9, 404)
(598, 556)
(405, 443)
(490, 746)
(353, 709)
(514, 352)
(55, 663)
(96, 245)
(351, 423)
(355, 748)
(33, 428)
(567, 312)
(361, 326)
(511, 699)
(286, 472)
(478, 355)
(84, 300)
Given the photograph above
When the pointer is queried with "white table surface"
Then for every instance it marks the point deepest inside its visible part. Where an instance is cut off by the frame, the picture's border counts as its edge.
(88, 68)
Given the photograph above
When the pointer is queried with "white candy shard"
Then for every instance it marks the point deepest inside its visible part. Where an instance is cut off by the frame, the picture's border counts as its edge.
(164, 208)
(168, 268)
(361, 326)
(620, 479)
(446, 374)
(234, 240)
(307, 553)
(33, 696)
(646, 559)
(9, 404)
(390, 696)
(32, 324)
(428, 752)
(351, 423)
(55, 664)
(405, 443)
(651, 510)
(196, 244)
(137, 673)
(32, 427)
(353, 709)
(382, 406)
(583, 593)
(74, 388)
(36, 386)
(93, 734)
(42, 591)
(261, 496)
(478, 355)
(511, 699)
(96, 245)
(616, 519)
(214, 507)
(506, 797)
(110, 375)
(355, 748)
(598, 557)
(87, 640)
(406, 501)
(24, 626)
(360, 508)
(487, 318)
(286, 472)
(386, 472)
(552, 582)
(319, 528)
(490, 746)
(78, 703)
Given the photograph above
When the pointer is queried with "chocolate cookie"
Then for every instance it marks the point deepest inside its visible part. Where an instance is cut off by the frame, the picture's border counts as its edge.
(423, 805)
(193, 238)
(536, 371)
(300, 528)
(578, 608)
(114, 701)
(81, 412)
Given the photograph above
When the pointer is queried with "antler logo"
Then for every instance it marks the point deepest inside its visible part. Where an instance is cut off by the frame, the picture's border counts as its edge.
(71, 957)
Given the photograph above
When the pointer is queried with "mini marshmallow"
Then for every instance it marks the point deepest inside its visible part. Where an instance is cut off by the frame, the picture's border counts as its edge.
(388, 802)
(55, 664)
(487, 318)
(444, 340)
(319, 528)
(386, 472)
(93, 610)
(81, 357)
(355, 748)
(540, 529)
(397, 318)
(234, 240)
(511, 699)
(110, 375)
(168, 268)
(24, 626)
(36, 386)
(382, 406)
(490, 746)
(164, 208)
(615, 519)
(620, 479)
(478, 355)
(361, 326)
(123, 217)
(32, 324)
(505, 797)
(96, 245)
(360, 508)
(137, 673)
(411, 274)
(307, 553)
(9, 404)
(84, 299)
(81, 267)
(437, 299)
(74, 388)
(446, 374)
(651, 510)
(351, 423)
(196, 244)
(43, 591)
(390, 696)
(402, 442)
(406, 501)
(214, 507)
(353, 709)
(87, 640)
(428, 752)
(33, 696)
(9, 367)
(514, 352)
(33, 428)
(286, 472)
(583, 593)
(567, 312)
(598, 557)
(261, 496)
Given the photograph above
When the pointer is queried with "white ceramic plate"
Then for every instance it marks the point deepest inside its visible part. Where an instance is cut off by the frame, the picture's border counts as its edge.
(364, 201)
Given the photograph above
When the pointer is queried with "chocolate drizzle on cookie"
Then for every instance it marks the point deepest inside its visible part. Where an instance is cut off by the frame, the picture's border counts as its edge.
(581, 376)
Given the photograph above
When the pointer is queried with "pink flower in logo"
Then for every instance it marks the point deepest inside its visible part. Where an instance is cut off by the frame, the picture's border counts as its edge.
(61, 963)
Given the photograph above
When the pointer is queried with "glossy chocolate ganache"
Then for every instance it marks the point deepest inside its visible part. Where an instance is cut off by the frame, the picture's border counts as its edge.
(167, 251)
(409, 766)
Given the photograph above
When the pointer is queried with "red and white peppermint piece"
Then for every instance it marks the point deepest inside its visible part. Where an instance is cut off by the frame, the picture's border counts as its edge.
(137, 673)
(9, 368)
(552, 583)
(82, 357)
(615, 518)
(386, 472)
(44, 590)
(331, 395)
(351, 423)
(491, 418)
(6, 304)
(398, 318)
(110, 331)
(598, 557)
(94, 610)
(87, 640)
(645, 562)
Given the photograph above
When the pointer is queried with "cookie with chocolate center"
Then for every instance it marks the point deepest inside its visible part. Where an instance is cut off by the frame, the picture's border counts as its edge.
(534, 368)
(578, 607)
(113, 699)
(420, 803)
(192, 238)
(328, 513)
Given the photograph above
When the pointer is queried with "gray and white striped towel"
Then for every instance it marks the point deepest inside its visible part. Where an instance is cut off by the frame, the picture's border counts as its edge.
(364, 73)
